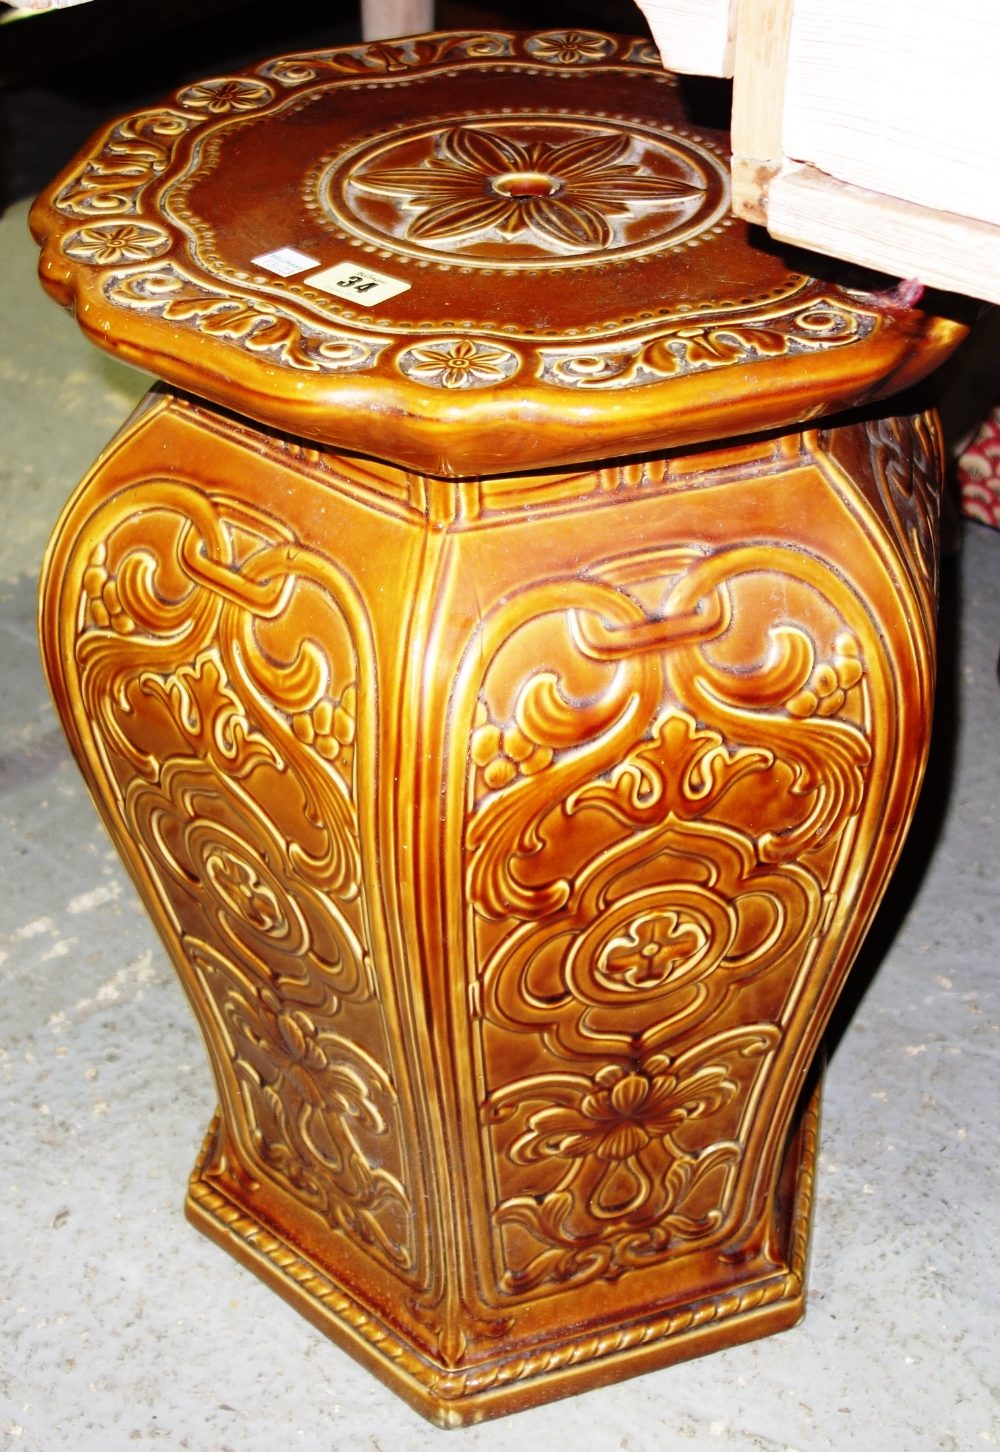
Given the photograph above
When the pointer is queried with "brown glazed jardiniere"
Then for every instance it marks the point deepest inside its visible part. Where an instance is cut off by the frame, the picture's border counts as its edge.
(508, 695)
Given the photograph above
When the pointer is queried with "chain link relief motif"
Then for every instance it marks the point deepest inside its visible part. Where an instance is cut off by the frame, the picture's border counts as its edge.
(230, 737)
(907, 464)
(653, 838)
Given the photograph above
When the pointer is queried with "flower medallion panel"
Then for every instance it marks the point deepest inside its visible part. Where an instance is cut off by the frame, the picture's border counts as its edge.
(655, 840)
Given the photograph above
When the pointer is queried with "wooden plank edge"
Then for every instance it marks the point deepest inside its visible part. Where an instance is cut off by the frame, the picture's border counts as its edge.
(806, 207)
(763, 30)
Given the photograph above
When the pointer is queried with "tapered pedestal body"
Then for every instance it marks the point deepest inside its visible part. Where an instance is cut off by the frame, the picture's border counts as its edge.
(512, 833)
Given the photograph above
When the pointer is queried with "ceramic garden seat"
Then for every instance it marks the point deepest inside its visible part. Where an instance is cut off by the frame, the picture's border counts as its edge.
(501, 648)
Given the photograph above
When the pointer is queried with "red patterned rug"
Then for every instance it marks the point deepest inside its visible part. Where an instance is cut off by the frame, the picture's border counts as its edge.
(979, 473)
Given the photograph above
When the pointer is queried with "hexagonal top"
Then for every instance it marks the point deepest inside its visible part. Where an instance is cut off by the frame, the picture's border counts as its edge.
(465, 253)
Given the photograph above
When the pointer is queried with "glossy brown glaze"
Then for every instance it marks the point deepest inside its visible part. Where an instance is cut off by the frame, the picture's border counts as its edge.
(572, 284)
(512, 835)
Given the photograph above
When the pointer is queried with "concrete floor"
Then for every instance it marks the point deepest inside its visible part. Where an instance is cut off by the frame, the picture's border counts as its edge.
(120, 1325)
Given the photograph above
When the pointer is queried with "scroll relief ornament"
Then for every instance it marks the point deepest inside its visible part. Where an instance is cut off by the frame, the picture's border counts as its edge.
(136, 151)
(812, 326)
(260, 325)
(907, 463)
(233, 757)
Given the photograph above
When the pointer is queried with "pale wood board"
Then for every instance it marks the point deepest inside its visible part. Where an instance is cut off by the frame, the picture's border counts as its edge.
(694, 37)
(939, 248)
(761, 54)
(382, 19)
(897, 98)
